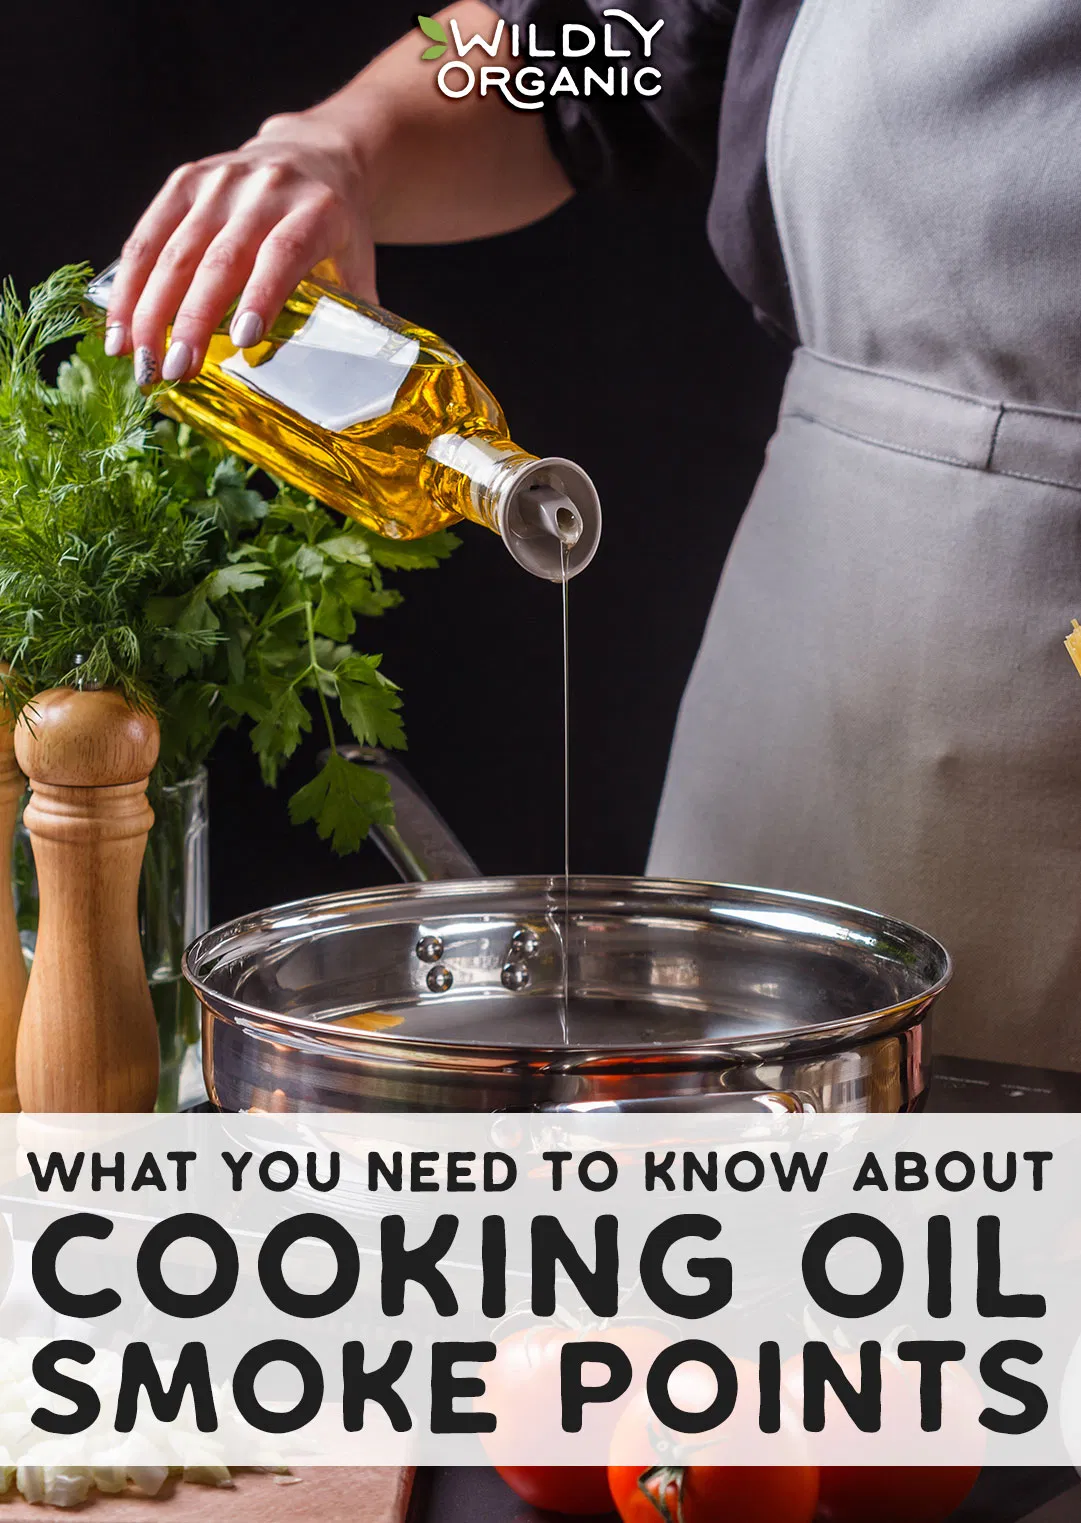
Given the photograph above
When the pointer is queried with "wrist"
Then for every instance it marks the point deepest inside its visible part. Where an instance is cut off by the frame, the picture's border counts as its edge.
(361, 132)
(322, 130)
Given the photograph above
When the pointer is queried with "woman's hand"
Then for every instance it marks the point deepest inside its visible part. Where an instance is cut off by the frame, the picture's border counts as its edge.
(387, 155)
(248, 224)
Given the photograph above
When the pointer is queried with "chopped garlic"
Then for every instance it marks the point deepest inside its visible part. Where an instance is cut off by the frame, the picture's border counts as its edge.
(149, 1479)
(208, 1475)
(110, 1478)
(59, 1485)
(54, 1470)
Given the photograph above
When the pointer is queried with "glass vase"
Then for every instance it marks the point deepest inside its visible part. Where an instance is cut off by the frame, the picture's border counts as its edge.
(174, 908)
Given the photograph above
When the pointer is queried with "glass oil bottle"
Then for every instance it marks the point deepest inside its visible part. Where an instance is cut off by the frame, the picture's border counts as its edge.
(382, 420)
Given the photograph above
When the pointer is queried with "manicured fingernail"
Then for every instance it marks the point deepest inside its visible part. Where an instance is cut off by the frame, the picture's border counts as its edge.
(146, 366)
(177, 361)
(115, 338)
(246, 329)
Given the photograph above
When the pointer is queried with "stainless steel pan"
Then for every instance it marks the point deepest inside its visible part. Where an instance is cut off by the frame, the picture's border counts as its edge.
(469, 993)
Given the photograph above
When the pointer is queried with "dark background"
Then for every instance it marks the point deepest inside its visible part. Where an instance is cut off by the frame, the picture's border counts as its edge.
(609, 335)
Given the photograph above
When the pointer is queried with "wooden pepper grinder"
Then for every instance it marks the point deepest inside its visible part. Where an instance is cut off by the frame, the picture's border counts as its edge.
(88, 1040)
(12, 962)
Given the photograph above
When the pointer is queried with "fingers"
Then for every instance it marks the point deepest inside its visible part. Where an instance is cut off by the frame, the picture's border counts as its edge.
(223, 271)
(140, 254)
(235, 224)
(166, 285)
(285, 256)
(356, 265)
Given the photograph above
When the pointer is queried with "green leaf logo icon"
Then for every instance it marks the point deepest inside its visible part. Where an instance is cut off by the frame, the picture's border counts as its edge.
(433, 30)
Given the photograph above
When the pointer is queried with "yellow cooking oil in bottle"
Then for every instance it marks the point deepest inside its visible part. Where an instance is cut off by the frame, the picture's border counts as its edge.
(384, 421)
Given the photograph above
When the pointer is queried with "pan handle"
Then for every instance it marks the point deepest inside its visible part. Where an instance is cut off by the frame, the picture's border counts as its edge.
(420, 845)
(730, 1102)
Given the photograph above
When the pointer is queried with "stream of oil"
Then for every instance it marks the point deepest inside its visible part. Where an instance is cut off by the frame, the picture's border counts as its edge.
(564, 1016)
(559, 912)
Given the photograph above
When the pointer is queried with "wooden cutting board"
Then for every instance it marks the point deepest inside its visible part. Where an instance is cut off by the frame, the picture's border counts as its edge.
(317, 1494)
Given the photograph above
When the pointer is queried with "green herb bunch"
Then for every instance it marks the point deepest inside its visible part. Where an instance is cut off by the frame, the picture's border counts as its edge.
(136, 554)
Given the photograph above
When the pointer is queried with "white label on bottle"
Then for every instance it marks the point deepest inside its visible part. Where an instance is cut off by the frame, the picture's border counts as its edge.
(340, 369)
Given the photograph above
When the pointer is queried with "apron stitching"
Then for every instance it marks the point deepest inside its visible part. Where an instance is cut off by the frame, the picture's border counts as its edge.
(987, 465)
(1057, 414)
(983, 403)
(1044, 481)
(919, 454)
(900, 449)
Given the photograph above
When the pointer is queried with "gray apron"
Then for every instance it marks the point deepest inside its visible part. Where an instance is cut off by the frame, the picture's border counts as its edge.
(882, 710)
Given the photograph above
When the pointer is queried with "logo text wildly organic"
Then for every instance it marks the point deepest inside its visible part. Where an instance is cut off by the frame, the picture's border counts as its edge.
(524, 84)
(435, 33)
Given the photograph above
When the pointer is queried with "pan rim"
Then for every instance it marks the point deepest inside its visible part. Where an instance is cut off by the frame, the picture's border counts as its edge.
(797, 1041)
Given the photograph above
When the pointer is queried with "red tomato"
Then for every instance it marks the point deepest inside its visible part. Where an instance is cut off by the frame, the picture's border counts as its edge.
(575, 1489)
(899, 1493)
(894, 1494)
(710, 1493)
(712, 1485)
(960, 1439)
(640, 1439)
(522, 1388)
